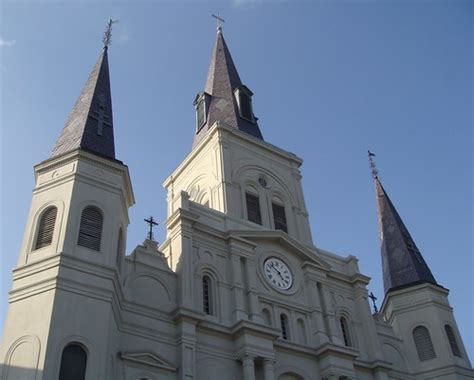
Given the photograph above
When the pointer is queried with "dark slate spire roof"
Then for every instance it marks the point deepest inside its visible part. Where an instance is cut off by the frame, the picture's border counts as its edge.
(90, 123)
(403, 265)
(222, 80)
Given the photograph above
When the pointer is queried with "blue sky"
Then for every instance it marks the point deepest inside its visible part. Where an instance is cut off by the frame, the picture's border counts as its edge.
(331, 79)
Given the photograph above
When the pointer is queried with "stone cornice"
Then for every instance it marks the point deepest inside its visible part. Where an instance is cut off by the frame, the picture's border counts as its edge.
(116, 167)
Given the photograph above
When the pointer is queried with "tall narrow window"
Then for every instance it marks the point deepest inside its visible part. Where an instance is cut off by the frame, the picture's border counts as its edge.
(345, 331)
(245, 106)
(423, 343)
(279, 217)
(206, 295)
(46, 227)
(90, 230)
(201, 103)
(452, 340)
(285, 333)
(243, 96)
(73, 363)
(253, 208)
(201, 115)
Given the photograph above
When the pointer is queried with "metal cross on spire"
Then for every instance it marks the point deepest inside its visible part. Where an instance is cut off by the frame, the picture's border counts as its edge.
(373, 298)
(219, 20)
(107, 39)
(373, 168)
(152, 223)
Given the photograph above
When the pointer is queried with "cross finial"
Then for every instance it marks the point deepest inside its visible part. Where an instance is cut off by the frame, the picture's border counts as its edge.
(373, 298)
(107, 39)
(373, 168)
(219, 20)
(152, 223)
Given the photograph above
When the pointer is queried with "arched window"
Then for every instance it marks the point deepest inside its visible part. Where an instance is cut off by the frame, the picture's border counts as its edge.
(301, 331)
(119, 249)
(90, 230)
(46, 224)
(267, 317)
(207, 295)
(423, 343)
(345, 331)
(73, 363)
(285, 331)
(452, 340)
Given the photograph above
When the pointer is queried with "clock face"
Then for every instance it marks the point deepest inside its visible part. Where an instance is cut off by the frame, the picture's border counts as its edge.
(277, 273)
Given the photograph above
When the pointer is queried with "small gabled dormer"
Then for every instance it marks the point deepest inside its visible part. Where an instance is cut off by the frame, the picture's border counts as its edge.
(201, 105)
(243, 97)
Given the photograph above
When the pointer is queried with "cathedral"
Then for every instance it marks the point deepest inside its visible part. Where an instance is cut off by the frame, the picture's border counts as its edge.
(238, 290)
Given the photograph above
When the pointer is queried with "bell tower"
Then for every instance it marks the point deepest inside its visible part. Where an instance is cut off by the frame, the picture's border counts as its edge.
(64, 285)
(415, 305)
(231, 168)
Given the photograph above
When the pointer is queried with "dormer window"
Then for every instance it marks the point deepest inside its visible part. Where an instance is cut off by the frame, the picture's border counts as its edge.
(201, 104)
(244, 100)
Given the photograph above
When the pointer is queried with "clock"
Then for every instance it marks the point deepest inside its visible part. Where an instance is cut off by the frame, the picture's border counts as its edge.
(277, 273)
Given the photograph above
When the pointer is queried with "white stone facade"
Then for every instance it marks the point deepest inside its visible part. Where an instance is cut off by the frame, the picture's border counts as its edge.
(143, 316)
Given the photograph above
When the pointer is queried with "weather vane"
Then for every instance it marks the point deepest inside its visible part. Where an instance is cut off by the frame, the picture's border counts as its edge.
(219, 20)
(373, 298)
(107, 39)
(375, 172)
(152, 223)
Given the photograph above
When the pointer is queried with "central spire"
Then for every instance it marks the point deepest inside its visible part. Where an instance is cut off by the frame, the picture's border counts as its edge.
(225, 98)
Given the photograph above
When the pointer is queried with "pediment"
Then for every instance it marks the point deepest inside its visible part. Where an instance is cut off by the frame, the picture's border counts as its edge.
(307, 254)
(148, 358)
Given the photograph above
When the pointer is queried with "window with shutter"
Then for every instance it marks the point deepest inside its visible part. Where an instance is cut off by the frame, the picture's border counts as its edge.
(345, 331)
(46, 224)
(90, 230)
(201, 115)
(423, 343)
(284, 327)
(452, 340)
(73, 363)
(245, 106)
(279, 217)
(253, 208)
(206, 295)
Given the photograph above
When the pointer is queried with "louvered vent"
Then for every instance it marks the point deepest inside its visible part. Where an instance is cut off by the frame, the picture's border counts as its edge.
(90, 230)
(452, 340)
(423, 343)
(46, 228)
(279, 217)
(253, 208)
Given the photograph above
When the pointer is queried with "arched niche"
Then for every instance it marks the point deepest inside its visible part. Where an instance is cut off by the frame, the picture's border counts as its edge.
(146, 289)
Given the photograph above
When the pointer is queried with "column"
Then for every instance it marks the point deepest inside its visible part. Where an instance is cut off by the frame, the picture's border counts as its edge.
(238, 311)
(332, 324)
(268, 373)
(317, 327)
(254, 304)
(249, 367)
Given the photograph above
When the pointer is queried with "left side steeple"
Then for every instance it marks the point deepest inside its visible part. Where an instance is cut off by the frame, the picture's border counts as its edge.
(90, 124)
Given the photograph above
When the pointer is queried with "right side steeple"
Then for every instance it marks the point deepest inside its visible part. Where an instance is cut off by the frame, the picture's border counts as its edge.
(403, 265)
(225, 98)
